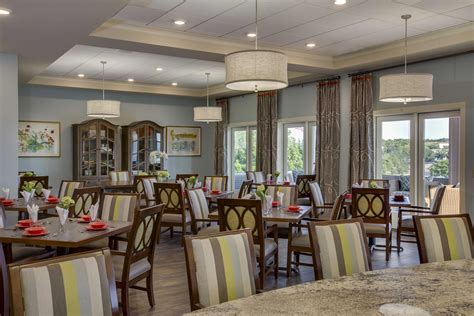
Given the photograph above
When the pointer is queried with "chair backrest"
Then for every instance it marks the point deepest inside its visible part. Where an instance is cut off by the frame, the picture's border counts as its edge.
(82, 283)
(118, 206)
(290, 193)
(289, 176)
(119, 176)
(198, 206)
(245, 188)
(142, 237)
(67, 187)
(302, 183)
(138, 184)
(171, 195)
(339, 248)
(337, 208)
(380, 183)
(259, 177)
(40, 182)
(250, 175)
(185, 177)
(373, 205)
(237, 214)
(435, 205)
(316, 196)
(84, 198)
(444, 237)
(148, 187)
(450, 203)
(217, 182)
(213, 262)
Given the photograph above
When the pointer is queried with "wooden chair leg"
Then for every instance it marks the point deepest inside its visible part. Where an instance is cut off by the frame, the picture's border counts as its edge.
(171, 231)
(149, 290)
(297, 259)
(288, 262)
(275, 265)
(125, 300)
(388, 246)
(262, 272)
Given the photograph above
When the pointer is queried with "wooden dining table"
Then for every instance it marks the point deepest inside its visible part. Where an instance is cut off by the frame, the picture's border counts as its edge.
(212, 197)
(434, 288)
(19, 205)
(117, 186)
(75, 235)
(281, 215)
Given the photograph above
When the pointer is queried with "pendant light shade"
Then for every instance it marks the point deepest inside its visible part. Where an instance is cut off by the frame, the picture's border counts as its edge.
(406, 87)
(256, 70)
(103, 108)
(207, 113)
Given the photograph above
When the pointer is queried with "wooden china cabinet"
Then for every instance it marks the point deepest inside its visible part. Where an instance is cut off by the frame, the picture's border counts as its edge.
(96, 150)
(139, 139)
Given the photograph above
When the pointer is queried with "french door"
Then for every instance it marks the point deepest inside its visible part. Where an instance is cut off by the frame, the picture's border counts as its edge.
(417, 151)
(243, 153)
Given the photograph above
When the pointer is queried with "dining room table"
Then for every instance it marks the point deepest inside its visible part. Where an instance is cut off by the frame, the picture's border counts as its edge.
(426, 289)
(125, 186)
(76, 234)
(280, 214)
(19, 205)
(212, 197)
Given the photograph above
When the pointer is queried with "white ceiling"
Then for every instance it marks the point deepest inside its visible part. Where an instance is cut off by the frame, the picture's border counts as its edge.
(122, 65)
(336, 30)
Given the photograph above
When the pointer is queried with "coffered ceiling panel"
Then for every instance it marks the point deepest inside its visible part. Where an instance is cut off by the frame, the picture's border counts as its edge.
(139, 15)
(466, 13)
(439, 6)
(436, 22)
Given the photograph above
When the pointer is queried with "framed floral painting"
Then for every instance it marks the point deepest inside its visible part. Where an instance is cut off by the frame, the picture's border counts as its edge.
(183, 141)
(39, 139)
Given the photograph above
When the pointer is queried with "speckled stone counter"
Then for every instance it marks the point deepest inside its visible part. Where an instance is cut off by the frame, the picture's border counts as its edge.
(439, 288)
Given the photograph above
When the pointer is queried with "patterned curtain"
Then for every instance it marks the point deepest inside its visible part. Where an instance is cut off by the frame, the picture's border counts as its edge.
(328, 119)
(220, 139)
(267, 117)
(362, 129)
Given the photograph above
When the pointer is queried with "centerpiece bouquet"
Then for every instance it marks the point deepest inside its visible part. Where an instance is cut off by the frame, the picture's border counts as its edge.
(155, 160)
(63, 211)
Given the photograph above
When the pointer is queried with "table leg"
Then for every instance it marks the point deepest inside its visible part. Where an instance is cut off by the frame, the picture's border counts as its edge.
(7, 250)
(61, 251)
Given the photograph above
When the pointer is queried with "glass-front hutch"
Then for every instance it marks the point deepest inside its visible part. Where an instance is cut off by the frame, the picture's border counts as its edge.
(139, 139)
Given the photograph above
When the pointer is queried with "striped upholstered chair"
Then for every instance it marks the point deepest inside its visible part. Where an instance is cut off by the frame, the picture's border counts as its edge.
(200, 221)
(67, 187)
(118, 206)
(119, 176)
(304, 192)
(208, 275)
(139, 187)
(59, 286)
(444, 237)
(339, 248)
(290, 193)
(217, 182)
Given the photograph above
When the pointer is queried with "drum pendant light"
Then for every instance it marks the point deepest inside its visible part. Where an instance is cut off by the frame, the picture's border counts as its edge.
(256, 70)
(207, 113)
(406, 87)
(103, 108)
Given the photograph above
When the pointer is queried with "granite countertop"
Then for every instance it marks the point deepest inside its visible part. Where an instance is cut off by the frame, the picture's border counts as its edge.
(439, 288)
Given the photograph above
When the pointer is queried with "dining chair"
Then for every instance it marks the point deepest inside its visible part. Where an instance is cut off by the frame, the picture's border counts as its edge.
(298, 237)
(290, 195)
(444, 237)
(40, 182)
(118, 206)
(136, 262)
(235, 214)
(339, 248)
(139, 187)
(84, 198)
(175, 213)
(185, 177)
(451, 202)
(245, 188)
(304, 192)
(406, 226)
(380, 183)
(217, 182)
(67, 187)
(321, 209)
(78, 284)
(250, 175)
(201, 224)
(373, 206)
(259, 177)
(120, 176)
(289, 177)
(212, 264)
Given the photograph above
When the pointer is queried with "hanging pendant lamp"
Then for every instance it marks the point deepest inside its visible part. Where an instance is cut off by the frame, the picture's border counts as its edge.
(256, 70)
(103, 108)
(406, 87)
(207, 113)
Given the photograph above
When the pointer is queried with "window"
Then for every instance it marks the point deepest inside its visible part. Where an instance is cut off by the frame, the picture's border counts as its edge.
(243, 153)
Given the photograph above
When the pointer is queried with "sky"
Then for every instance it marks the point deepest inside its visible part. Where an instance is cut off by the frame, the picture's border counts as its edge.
(434, 129)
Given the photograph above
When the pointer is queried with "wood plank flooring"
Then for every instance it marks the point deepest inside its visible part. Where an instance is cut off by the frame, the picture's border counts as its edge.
(171, 285)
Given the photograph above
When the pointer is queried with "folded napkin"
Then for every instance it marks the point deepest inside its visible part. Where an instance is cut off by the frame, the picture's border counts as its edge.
(93, 210)
(27, 195)
(2, 225)
(63, 214)
(46, 193)
(269, 200)
(6, 193)
(33, 212)
(182, 184)
(280, 196)
(198, 184)
(356, 185)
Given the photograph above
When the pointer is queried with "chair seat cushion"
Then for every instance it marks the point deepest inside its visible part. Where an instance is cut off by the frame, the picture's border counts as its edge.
(371, 228)
(301, 240)
(20, 252)
(136, 269)
(208, 230)
(270, 246)
(304, 201)
(175, 218)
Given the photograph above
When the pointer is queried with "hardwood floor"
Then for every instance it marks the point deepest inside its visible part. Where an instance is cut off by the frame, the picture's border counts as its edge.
(171, 285)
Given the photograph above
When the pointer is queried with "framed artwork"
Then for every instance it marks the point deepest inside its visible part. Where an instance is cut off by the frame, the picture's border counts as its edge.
(183, 141)
(39, 139)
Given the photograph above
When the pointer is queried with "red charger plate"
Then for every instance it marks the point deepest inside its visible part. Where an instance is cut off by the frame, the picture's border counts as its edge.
(7, 202)
(275, 204)
(89, 227)
(293, 208)
(216, 192)
(35, 231)
(24, 223)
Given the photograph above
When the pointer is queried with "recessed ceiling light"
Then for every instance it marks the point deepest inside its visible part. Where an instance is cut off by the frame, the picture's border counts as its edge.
(179, 22)
(310, 45)
(159, 69)
(252, 34)
(81, 75)
(5, 11)
(130, 80)
(174, 84)
(340, 2)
